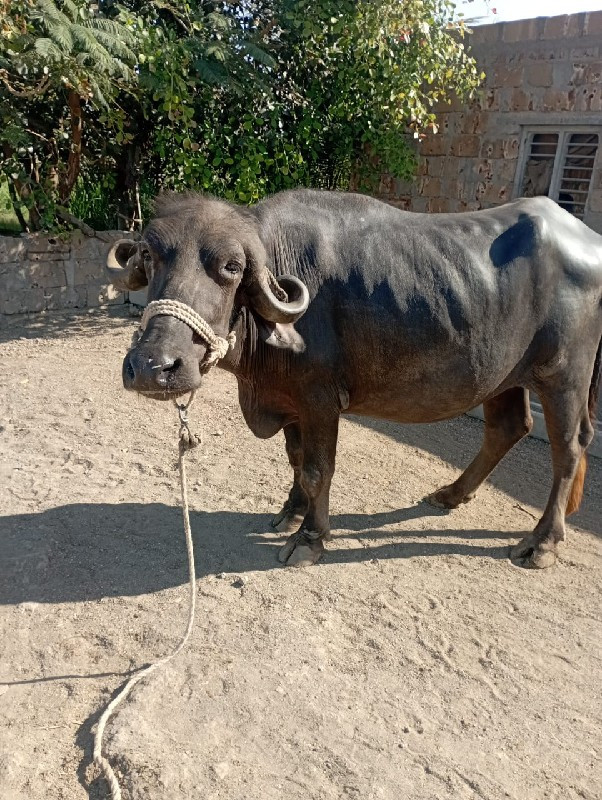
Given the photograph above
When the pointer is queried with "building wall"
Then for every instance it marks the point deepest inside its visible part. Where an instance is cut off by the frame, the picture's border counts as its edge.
(539, 71)
(40, 272)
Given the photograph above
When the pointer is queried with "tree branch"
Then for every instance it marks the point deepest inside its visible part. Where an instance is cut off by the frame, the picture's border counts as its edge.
(67, 216)
(34, 91)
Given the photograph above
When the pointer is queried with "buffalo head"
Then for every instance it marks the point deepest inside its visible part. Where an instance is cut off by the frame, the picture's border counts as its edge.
(208, 254)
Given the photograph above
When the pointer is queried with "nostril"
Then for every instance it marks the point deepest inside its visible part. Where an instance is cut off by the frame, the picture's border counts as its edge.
(165, 369)
(144, 372)
(129, 369)
(173, 365)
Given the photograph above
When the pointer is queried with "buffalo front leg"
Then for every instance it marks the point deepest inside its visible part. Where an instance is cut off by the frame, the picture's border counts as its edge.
(507, 420)
(570, 431)
(294, 510)
(319, 440)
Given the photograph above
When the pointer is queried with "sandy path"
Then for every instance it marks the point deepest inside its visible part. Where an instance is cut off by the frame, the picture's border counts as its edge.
(414, 662)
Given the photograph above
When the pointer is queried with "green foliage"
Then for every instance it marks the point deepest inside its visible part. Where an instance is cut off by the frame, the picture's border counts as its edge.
(60, 62)
(370, 71)
(52, 45)
(240, 100)
(93, 201)
(327, 89)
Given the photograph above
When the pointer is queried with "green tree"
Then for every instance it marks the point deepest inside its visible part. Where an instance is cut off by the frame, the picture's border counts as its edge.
(197, 64)
(104, 105)
(342, 88)
(362, 77)
(60, 63)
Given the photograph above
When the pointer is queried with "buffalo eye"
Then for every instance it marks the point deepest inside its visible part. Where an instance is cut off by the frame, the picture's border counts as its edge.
(231, 269)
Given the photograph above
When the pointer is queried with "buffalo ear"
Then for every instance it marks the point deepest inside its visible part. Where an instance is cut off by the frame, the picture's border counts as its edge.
(125, 265)
(279, 334)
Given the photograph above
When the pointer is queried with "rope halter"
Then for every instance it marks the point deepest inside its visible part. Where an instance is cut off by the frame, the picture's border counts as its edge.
(217, 346)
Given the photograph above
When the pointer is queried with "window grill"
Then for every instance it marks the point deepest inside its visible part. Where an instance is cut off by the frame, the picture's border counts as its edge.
(560, 164)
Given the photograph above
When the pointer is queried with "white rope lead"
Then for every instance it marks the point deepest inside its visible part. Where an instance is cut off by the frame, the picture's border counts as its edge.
(187, 442)
(217, 347)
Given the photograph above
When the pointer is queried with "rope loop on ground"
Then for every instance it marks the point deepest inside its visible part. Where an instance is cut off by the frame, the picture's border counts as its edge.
(217, 347)
(187, 440)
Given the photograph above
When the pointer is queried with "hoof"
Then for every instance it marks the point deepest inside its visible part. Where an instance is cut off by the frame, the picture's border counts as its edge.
(434, 501)
(287, 520)
(447, 498)
(302, 549)
(534, 553)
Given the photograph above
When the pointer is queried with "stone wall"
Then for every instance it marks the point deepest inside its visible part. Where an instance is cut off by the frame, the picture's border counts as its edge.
(544, 71)
(40, 272)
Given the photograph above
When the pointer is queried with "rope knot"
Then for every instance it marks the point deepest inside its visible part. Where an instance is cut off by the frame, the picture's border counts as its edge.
(188, 439)
(217, 351)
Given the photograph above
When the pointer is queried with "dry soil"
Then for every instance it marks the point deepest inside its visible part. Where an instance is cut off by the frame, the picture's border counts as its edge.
(415, 662)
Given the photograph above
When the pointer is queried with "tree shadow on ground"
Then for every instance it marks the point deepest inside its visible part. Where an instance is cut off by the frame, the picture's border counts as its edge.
(62, 324)
(519, 474)
(84, 551)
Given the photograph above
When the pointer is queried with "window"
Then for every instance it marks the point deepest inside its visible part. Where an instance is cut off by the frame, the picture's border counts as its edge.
(559, 164)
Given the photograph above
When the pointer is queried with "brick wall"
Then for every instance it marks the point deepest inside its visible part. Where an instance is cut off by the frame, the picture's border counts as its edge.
(40, 272)
(544, 71)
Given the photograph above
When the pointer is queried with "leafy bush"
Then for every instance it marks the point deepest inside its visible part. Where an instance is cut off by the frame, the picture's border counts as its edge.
(103, 105)
(93, 201)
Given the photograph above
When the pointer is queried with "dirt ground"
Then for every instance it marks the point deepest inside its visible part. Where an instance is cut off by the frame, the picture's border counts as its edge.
(414, 662)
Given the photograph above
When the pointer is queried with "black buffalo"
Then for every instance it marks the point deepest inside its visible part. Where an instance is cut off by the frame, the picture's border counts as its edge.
(409, 317)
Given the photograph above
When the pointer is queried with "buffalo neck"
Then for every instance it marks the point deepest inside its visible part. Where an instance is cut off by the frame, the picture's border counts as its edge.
(251, 357)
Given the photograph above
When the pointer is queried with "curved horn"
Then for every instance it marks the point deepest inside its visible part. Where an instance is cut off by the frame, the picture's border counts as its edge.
(124, 265)
(274, 310)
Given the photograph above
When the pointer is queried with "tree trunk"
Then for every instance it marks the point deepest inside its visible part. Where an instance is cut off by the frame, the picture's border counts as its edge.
(71, 173)
(23, 195)
(17, 207)
(128, 184)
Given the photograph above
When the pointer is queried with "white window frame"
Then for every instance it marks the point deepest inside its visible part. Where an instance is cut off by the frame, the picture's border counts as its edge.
(564, 131)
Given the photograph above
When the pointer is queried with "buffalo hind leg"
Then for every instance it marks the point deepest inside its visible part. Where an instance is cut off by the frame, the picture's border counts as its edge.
(507, 420)
(319, 437)
(294, 510)
(570, 431)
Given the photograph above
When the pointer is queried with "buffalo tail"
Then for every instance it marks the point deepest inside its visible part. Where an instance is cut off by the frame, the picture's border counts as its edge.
(576, 492)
